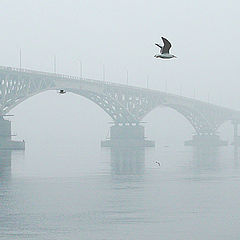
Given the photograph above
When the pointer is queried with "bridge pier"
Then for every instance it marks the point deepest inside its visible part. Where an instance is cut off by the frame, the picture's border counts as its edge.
(6, 142)
(236, 138)
(127, 135)
(206, 139)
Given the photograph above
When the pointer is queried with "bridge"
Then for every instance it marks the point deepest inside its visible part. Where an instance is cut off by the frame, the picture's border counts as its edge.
(126, 105)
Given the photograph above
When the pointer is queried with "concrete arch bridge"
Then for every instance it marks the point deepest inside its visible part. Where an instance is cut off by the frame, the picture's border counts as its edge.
(126, 105)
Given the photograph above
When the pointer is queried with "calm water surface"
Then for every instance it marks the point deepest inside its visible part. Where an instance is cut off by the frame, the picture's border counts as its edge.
(120, 194)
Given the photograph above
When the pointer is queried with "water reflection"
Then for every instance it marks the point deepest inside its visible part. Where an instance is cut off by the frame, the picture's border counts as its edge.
(127, 161)
(102, 207)
(236, 156)
(205, 158)
(5, 164)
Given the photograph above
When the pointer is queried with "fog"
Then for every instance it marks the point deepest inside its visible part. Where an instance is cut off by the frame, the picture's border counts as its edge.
(64, 185)
(121, 35)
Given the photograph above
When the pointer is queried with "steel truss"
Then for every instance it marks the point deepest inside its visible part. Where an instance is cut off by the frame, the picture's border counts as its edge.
(124, 104)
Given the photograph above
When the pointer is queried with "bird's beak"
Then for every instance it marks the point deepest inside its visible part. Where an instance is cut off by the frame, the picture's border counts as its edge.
(175, 56)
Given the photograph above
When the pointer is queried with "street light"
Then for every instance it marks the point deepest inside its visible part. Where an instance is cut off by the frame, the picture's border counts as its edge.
(55, 64)
(80, 68)
(103, 72)
(20, 58)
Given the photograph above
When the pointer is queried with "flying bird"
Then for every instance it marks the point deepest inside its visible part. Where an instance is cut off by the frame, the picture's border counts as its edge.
(159, 164)
(164, 51)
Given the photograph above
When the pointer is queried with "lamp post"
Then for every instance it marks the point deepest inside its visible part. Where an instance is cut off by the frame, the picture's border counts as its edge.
(80, 68)
(55, 64)
(103, 72)
(20, 59)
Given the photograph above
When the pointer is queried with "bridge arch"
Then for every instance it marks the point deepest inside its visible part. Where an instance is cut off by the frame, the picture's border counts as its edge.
(169, 123)
(120, 114)
(200, 123)
(113, 108)
(124, 104)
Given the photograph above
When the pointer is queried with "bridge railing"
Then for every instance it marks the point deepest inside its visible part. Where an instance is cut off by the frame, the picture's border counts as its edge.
(23, 70)
(98, 82)
(58, 75)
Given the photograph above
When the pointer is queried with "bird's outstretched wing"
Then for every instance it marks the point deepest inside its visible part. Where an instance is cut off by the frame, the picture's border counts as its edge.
(158, 45)
(167, 45)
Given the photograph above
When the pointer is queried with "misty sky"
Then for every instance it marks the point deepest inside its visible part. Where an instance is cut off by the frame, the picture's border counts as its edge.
(191, 193)
(121, 35)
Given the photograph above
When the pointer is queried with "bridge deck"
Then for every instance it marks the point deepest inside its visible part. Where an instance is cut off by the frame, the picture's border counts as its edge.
(5, 69)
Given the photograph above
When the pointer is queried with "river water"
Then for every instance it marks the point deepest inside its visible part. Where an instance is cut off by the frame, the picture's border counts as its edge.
(121, 194)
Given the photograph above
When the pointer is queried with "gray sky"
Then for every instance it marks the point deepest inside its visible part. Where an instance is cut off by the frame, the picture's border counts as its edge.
(121, 35)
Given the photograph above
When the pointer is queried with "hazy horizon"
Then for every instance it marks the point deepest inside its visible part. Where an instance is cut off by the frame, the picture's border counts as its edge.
(121, 35)
(64, 185)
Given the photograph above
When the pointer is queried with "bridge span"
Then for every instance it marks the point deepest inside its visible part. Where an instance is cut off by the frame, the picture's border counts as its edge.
(126, 105)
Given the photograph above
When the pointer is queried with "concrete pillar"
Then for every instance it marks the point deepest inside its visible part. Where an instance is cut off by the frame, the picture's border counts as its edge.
(6, 142)
(127, 136)
(206, 139)
(236, 141)
(235, 133)
(5, 130)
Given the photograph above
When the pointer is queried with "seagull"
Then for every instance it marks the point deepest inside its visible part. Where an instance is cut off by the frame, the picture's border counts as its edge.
(159, 164)
(62, 91)
(164, 51)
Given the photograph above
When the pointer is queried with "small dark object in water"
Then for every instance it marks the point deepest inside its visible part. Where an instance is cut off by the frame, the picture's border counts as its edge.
(159, 164)
(62, 91)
